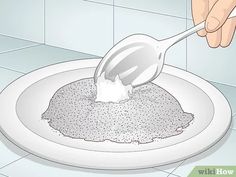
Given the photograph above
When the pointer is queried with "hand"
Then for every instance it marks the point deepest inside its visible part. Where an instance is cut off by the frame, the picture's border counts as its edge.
(219, 30)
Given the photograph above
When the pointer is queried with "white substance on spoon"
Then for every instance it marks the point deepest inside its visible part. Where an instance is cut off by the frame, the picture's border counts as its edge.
(108, 91)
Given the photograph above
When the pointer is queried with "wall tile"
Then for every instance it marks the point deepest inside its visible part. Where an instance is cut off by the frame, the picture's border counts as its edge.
(22, 19)
(170, 7)
(128, 22)
(79, 25)
(213, 64)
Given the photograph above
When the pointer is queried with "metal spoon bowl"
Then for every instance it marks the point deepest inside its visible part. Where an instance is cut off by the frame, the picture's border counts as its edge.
(139, 58)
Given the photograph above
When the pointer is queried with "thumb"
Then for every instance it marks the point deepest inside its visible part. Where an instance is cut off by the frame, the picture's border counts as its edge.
(219, 14)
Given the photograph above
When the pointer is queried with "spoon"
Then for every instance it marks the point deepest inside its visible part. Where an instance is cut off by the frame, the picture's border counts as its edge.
(139, 58)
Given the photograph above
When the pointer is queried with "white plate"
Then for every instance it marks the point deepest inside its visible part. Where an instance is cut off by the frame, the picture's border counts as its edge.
(23, 102)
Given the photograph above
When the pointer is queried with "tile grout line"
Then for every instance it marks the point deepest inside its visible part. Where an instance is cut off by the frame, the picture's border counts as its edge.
(186, 42)
(130, 8)
(156, 168)
(22, 48)
(113, 23)
(45, 65)
(173, 175)
(12, 70)
(172, 172)
(102, 3)
(222, 83)
(156, 13)
(186, 48)
(39, 44)
(44, 21)
(72, 50)
(13, 37)
(73, 59)
(225, 84)
(168, 173)
(14, 161)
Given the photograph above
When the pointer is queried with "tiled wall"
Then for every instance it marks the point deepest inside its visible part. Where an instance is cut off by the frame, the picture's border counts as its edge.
(94, 26)
(168, 7)
(22, 19)
(79, 25)
(212, 64)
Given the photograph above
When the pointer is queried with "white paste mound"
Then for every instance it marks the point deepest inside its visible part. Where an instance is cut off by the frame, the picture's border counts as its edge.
(108, 91)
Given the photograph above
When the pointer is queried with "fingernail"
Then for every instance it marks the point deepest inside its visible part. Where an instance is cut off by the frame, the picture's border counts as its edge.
(212, 24)
(202, 33)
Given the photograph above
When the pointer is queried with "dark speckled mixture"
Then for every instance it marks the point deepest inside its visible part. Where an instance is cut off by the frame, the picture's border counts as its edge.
(150, 113)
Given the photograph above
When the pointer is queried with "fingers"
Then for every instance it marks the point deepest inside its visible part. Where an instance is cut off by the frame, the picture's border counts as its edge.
(214, 39)
(228, 30)
(200, 12)
(219, 14)
(219, 30)
(211, 4)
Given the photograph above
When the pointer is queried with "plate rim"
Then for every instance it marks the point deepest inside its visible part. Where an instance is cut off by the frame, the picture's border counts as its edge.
(108, 160)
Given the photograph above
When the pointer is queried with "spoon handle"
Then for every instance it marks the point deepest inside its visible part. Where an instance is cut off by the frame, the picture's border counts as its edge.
(183, 35)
